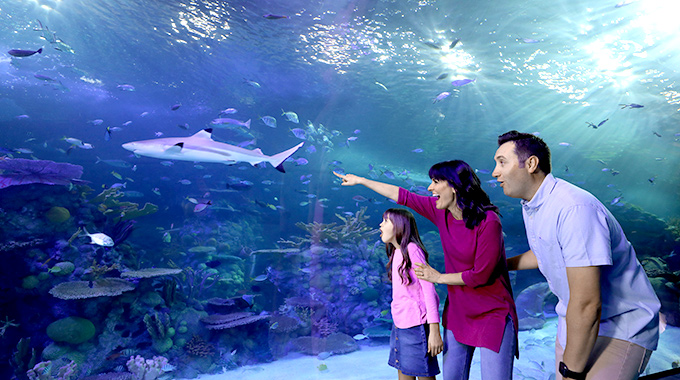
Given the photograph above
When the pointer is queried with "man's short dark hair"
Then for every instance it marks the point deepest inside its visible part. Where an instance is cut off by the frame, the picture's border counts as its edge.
(527, 145)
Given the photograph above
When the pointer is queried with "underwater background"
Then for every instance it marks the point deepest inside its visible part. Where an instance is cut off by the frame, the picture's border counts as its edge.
(213, 267)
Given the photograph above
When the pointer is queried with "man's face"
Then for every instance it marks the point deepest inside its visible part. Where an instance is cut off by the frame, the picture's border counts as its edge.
(514, 180)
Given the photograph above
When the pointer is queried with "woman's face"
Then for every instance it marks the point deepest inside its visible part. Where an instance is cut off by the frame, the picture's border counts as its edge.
(387, 234)
(446, 197)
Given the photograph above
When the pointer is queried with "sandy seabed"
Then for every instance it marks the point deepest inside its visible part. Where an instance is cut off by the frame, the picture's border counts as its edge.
(536, 361)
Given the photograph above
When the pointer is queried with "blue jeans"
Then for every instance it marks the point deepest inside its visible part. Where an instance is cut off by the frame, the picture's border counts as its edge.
(495, 366)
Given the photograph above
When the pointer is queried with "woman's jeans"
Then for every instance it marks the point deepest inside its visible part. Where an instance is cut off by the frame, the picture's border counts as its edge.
(495, 366)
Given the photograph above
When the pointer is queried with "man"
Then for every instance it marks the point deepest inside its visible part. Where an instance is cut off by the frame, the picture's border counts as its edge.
(608, 312)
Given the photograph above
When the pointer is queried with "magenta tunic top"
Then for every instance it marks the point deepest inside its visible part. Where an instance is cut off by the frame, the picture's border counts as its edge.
(416, 303)
(475, 313)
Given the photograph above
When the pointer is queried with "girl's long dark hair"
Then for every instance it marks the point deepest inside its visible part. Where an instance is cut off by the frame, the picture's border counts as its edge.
(470, 196)
(405, 232)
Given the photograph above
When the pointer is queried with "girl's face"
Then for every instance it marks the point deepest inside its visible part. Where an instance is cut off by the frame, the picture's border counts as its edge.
(387, 232)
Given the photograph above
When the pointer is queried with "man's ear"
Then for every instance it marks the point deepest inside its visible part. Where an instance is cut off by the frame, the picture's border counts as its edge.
(531, 164)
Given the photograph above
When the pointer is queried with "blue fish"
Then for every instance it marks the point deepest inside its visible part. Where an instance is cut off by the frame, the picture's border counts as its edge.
(270, 16)
(23, 53)
(631, 105)
(462, 82)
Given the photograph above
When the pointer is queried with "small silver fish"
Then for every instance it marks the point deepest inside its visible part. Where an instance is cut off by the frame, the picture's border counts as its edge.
(99, 239)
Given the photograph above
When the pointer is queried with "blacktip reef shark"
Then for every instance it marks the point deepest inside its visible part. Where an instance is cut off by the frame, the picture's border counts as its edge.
(200, 147)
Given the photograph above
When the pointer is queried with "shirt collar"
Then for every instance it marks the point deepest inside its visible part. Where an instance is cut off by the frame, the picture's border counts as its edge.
(541, 195)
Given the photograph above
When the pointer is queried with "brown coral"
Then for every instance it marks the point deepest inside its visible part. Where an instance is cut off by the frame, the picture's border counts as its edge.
(196, 346)
(352, 230)
(150, 272)
(227, 321)
(107, 287)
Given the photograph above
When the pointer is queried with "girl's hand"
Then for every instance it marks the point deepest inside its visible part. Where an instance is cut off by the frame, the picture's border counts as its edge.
(435, 345)
(348, 179)
(426, 272)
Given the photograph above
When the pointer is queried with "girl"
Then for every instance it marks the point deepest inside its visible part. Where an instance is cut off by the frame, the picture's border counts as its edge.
(479, 310)
(415, 340)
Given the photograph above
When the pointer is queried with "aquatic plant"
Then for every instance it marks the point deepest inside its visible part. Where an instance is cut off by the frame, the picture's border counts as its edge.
(24, 358)
(107, 287)
(96, 271)
(111, 205)
(15, 245)
(195, 282)
(4, 325)
(353, 230)
(20, 171)
(157, 325)
(197, 346)
(146, 369)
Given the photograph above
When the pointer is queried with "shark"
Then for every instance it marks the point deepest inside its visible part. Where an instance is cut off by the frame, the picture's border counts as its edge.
(200, 147)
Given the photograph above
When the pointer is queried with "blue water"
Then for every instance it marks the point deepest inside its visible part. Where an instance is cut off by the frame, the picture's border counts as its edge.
(368, 72)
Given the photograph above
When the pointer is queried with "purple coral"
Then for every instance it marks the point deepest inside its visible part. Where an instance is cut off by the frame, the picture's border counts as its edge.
(20, 171)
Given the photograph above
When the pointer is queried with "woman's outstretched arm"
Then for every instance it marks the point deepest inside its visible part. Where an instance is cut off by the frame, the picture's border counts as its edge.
(384, 189)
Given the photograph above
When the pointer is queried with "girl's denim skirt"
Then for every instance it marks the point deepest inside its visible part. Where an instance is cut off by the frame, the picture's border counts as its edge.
(408, 351)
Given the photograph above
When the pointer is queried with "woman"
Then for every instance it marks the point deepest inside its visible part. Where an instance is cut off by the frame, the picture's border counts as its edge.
(479, 310)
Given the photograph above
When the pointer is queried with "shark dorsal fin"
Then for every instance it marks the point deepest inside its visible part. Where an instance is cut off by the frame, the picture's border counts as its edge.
(203, 134)
(175, 149)
(258, 151)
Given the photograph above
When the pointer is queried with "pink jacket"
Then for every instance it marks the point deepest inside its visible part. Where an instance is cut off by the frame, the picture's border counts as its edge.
(417, 303)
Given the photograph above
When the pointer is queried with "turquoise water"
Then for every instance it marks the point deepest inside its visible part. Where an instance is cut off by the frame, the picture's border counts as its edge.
(369, 72)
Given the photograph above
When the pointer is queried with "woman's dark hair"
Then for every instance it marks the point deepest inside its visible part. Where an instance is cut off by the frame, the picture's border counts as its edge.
(527, 145)
(405, 232)
(470, 197)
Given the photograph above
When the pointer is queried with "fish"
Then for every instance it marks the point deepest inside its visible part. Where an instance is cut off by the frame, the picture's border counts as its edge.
(602, 122)
(44, 78)
(270, 16)
(184, 126)
(99, 239)
(454, 43)
(107, 134)
(616, 200)
(126, 87)
(462, 82)
(24, 53)
(202, 206)
(443, 76)
(200, 147)
(252, 83)
(359, 337)
(299, 133)
(432, 45)
(115, 163)
(441, 97)
(118, 176)
(564, 144)
(623, 3)
(269, 121)
(631, 105)
(184, 182)
(175, 107)
(96, 122)
(213, 263)
(381, 85)
(228, 111)
(224, 120)
(656, 134)
(291, 116)
(529, 40)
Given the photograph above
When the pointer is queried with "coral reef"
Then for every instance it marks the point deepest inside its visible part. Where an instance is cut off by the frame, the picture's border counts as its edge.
(335, 344)
(221, 322)
(108, 287)
(146, 369)
(20, 171)
(197, 346)
(353, 229)
(150, 272)
(43, 371)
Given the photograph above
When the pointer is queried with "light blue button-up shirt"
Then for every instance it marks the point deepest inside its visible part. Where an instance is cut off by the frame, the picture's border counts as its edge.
(568, 227)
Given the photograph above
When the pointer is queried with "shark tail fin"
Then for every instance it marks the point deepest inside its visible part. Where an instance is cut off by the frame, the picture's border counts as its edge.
(277, 159)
